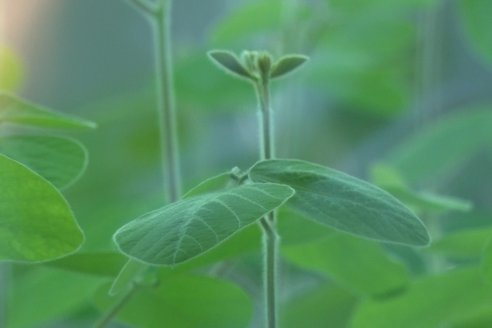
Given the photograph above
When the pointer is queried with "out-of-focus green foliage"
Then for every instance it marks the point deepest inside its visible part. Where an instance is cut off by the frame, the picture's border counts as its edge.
(368, 270)
(61, 161)
(477, 24)
(429, 302)
(185, 301)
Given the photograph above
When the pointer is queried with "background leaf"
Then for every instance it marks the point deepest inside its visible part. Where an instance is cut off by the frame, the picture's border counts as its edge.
(36, 223)
(344, 202)
(48, 295)
(431, 302)
(361, 266)
(477, 24)
(185, 301)
(59, 160)
(17, 111)
(190, 227)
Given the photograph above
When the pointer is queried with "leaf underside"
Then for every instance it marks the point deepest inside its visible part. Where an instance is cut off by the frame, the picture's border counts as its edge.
(229, 62)
(185, 229)
(344, 202)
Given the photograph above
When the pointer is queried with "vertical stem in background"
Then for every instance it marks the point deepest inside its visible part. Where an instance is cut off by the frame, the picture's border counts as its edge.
(160, 17)
(166, 102)
(270, 237)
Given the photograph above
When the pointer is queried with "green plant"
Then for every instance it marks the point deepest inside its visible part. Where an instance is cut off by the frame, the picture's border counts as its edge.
(280, 242)
(190, 227)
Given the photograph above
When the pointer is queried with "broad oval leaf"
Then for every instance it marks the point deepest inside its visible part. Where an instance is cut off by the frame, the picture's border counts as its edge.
(61, 161)
(36, 222)
(287, 64)
(229, 62)
(185, 229)
(344, 202)
(17, 111)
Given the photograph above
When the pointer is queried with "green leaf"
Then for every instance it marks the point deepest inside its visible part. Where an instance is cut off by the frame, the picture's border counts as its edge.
(36, 222)
(370, 271)
(390, 180)
(59, 160)
(344, 202)
(434, 301)
(287, 64)
(184, 301)
(190, 227)
(105, 264)
(127, 276)
(442, 149)
(17, 111)
(48, 295)
(229, 62)
(213, 184)
(306, 310)
(475, 15)
(486, 266)
(463, 244)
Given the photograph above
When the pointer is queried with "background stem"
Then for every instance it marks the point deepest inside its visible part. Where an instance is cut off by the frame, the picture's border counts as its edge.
(166, 102)
(160, 17)
(268, 224)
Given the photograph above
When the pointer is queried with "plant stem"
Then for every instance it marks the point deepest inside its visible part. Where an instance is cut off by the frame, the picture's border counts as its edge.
(117, 307)
(166, 102)
(268, 223)
(160, 16)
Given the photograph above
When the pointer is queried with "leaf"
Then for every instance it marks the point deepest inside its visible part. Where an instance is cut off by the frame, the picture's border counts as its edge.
(229, 62)
(190, 227)
(184, 301)
(213, 184)
(369, 271)
(464, 244)
(477, 25)
(344, 202)
(486, 266)
(431, 302)
(389, 179)
(48, 295)
(306, 310)
(105, 264)
(287, 64)
(17, 111)
(440, 150)
(36, 222)
(127, 276)
(59, 160)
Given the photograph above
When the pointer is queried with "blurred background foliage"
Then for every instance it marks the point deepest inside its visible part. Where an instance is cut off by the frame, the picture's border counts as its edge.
(397, 92)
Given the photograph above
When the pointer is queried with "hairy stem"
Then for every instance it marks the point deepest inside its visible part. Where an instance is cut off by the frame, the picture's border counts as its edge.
(268, 224)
